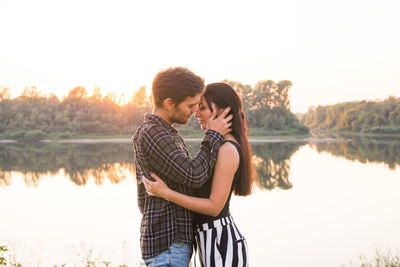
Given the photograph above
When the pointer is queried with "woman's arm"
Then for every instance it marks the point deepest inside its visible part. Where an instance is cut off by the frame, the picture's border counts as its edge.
(225, 168)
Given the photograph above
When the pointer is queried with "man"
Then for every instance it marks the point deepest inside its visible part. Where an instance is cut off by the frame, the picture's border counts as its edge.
(166, 232)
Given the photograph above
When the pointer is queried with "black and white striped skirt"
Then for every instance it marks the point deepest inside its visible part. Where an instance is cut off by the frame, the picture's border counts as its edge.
(220, 244)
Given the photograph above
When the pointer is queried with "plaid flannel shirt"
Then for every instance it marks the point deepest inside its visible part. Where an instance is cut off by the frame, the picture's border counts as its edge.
(160, 149)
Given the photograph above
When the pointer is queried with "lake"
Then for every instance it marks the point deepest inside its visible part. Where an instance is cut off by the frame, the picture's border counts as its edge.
(317, 203)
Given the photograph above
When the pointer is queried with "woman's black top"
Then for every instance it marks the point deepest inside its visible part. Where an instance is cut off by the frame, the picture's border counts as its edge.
(205, 190)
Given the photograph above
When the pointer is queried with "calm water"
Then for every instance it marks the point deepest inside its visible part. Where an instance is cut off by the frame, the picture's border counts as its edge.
(316, 204)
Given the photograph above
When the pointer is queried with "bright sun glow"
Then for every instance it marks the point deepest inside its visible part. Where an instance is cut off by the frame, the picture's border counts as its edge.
(331, 51)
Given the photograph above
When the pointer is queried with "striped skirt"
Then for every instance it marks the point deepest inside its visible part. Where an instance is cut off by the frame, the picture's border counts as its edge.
(220, 244)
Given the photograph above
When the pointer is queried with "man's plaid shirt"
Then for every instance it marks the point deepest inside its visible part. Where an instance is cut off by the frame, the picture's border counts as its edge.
(160, 149)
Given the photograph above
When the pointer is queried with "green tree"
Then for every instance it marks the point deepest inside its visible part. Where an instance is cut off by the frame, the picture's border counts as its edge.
(358, 116)
(77, 92)
(281, 97)
(140, 99)
(263, 95)
(4, 93)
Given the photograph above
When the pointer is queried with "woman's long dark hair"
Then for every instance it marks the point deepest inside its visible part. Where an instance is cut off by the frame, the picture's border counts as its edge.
(223, 95)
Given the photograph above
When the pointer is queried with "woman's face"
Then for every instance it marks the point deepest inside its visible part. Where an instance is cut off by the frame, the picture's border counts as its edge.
(203, 113)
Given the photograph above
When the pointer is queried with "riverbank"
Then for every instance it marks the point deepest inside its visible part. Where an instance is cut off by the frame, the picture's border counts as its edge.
(39, 135)
(255, 135)
(314, 137)
(345, 134)
(257, 139)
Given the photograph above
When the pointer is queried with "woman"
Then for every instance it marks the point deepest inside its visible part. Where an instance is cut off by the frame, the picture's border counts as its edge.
(219, 241)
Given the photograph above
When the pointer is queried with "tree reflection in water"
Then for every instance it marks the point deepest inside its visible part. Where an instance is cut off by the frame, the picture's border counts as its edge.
(79, 162)
(272, 161)
(112, 161)
(104, 161)
(273, 164)
(364, 150)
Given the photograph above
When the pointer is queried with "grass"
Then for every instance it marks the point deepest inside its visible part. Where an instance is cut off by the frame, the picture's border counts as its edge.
(80, 256)
(380, 259)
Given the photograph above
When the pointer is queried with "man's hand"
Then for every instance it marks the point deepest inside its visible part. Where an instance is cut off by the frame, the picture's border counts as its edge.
(220, 124)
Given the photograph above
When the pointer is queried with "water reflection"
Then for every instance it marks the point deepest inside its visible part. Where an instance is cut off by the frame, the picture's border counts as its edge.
(58, 213)
(273, 164)
(364, 150)
(111, 161)
(78, 161)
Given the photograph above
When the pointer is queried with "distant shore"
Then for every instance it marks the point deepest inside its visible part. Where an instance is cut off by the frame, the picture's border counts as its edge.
(258, 139)
(316, 137)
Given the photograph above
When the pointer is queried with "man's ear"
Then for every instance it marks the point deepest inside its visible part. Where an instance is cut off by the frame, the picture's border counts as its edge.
(168, 104)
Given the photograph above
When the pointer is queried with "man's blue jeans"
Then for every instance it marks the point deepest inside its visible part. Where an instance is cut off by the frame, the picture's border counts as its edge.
(177, 255)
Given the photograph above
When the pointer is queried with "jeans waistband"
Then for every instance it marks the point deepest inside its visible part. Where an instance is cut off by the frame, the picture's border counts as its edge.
(216, 223)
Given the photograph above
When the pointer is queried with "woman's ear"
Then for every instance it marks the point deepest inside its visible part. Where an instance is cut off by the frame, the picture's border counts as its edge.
(219, 111)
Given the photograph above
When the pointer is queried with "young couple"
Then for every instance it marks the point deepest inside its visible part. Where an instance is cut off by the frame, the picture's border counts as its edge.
(185, 198)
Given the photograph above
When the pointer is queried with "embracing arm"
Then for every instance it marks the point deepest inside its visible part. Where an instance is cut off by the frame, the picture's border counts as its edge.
(225, 168)
(170, 161)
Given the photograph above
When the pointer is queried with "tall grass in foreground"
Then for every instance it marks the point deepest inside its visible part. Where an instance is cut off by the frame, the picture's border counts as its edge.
(381, 259)
(15, 254)
(86, 258)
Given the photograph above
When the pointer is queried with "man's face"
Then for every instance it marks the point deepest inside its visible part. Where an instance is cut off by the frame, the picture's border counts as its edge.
(182, 112)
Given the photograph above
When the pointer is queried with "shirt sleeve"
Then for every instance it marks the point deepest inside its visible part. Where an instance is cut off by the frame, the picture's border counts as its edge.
(171, 162)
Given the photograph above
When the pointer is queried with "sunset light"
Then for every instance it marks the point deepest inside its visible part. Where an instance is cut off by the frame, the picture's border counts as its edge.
(275, 140)
(332, 52)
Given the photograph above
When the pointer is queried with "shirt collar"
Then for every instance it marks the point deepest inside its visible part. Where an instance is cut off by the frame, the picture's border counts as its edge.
(157, 119)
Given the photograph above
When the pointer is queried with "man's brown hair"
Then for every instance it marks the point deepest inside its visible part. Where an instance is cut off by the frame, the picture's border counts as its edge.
(176, 83)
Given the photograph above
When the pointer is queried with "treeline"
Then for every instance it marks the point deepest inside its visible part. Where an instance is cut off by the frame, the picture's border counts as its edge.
(359, 116)
(33, 115)
(267, 109)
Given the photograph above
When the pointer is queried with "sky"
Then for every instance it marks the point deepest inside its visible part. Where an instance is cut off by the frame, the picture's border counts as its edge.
(332, 51)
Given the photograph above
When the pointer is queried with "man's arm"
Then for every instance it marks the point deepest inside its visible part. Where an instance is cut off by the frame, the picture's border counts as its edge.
(225, 169)
(171, 162)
